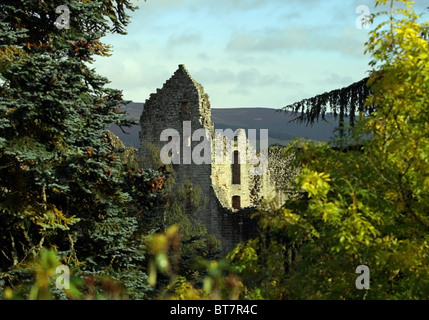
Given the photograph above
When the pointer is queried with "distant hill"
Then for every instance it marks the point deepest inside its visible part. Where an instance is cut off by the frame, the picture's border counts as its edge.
(131, 139)
(280, 130)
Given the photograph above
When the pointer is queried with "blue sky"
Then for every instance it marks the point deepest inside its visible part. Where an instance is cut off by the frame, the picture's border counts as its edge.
(246, 53)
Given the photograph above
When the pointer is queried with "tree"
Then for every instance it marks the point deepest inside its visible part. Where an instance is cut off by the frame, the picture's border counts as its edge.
(61, 185)
(342, 103)
(367, 205)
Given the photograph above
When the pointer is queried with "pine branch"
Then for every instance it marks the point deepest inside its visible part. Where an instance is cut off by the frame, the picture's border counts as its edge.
(342, 103)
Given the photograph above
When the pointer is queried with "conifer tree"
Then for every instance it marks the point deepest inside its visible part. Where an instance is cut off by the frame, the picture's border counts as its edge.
(61, 186)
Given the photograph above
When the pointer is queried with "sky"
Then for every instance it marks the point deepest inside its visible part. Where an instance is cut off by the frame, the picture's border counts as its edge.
(245, 53)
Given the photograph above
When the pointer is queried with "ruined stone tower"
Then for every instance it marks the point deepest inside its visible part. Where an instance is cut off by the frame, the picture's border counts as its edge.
(180, 99)
(228, 187)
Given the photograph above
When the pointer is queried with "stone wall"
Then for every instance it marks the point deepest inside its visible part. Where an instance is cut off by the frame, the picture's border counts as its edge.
(252, 189)
(180, 99)
(237, 226)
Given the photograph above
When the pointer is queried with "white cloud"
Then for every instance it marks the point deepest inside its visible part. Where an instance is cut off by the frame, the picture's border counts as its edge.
(347, 41)
(183, 39)
(244, 52)
(336, 80)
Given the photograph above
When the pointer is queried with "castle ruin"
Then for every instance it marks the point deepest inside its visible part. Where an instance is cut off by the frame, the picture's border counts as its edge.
(231, 192)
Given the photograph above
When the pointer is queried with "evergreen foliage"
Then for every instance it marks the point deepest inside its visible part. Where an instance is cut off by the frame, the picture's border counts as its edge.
(342, 103)
(61, 186)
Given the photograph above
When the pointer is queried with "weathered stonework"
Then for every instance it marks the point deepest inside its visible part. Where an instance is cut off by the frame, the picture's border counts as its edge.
(231, 192)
